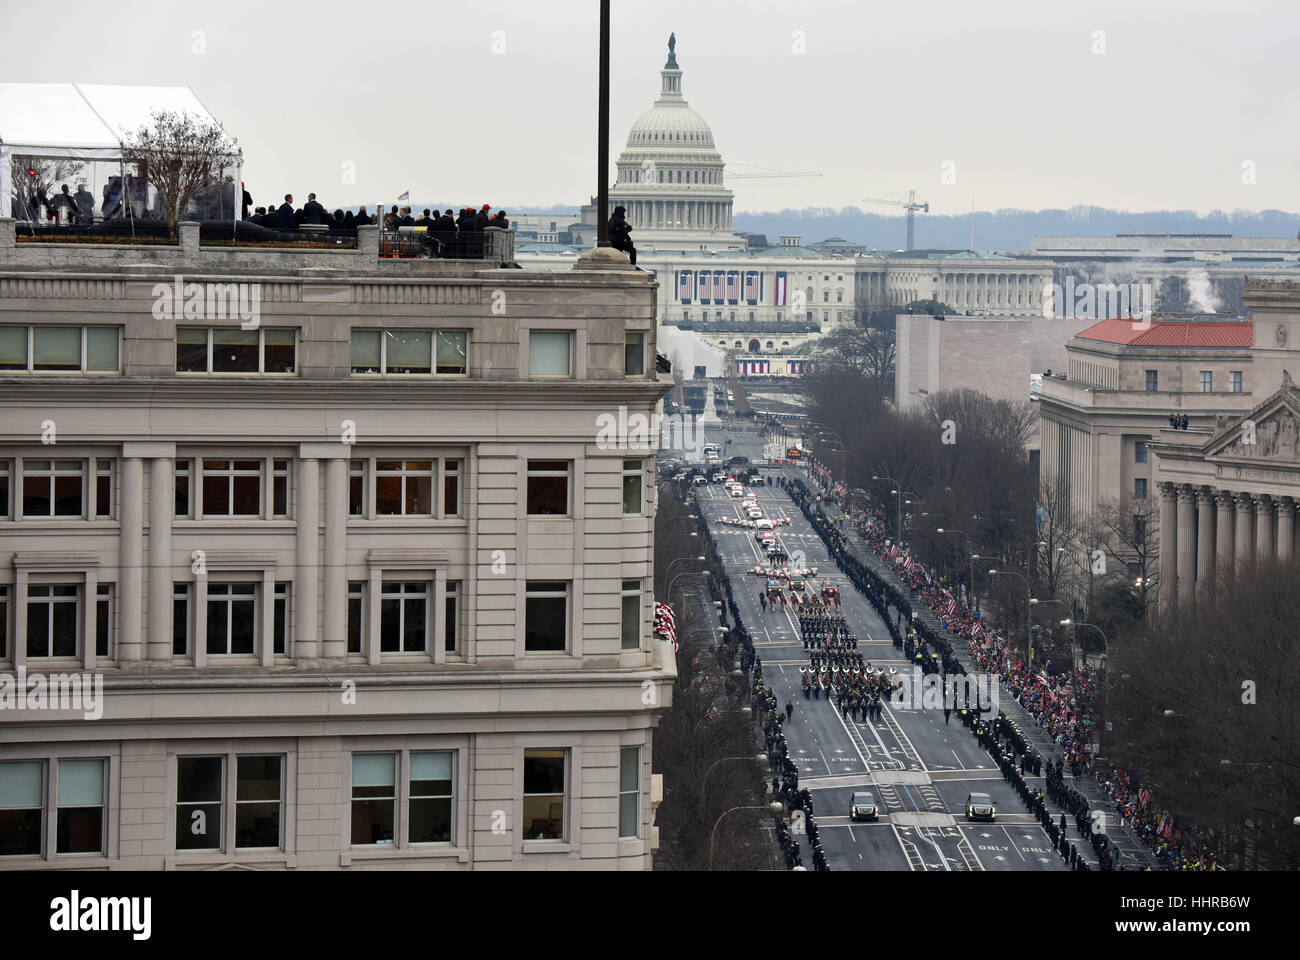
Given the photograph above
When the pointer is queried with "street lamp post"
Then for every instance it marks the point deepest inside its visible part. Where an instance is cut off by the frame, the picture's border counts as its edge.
(1029, 620)
(973, 558)
(775, 807)
(668, 572)
(684, 573)
(1105, 677)
(898, 528)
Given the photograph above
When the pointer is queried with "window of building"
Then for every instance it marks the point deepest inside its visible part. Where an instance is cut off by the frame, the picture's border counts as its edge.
(1140, 451)
(280, 488)
(103, 487)
(55, 349)
(356, 614)
(410, 352)
(200, 783)
(54, 620)
(1234, 381)
(548, 487)
(356, 488)
(6, 483)
(546, 614)
(232, 618)
(826, 296)
(751, 316)
(1153, 381)
(280, 619)
(232, 488)
(1206, 380)
(550, 353)
(4, 621)
(374, 798)
(103, 619)
(839, 296)
(233, 350)
(634, 354)
(631, 619)
(80, 807)
(184, 470)
(180, 619)
(451, 488)
(404, 488)
(22, 808)
(452, 615)
(54, 488)
(629, 791)
(403, 617)
(545, 779)
(1140, 488)
(259, 796)
(633, 471)
(430, 798)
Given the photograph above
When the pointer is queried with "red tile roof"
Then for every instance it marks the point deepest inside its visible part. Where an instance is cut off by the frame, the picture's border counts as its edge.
(1172, 333)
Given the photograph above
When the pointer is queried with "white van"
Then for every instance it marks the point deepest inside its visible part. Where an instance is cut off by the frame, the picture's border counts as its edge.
(737, 491)
(757, 481)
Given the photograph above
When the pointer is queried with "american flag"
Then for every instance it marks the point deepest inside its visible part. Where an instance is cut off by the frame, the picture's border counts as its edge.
(666, 624)
(751, 286)
(780, 289)
(685, 285)
(952, 606)
(706, 286)
(733, 287)
(719, 286)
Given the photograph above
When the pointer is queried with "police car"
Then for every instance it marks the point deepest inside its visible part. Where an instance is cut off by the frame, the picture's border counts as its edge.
(863, 807)
(980, 806)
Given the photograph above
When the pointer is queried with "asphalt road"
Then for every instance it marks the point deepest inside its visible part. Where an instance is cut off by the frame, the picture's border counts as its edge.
(919, 767)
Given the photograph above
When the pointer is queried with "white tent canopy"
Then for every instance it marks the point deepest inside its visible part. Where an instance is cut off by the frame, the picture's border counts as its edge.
(78, 121)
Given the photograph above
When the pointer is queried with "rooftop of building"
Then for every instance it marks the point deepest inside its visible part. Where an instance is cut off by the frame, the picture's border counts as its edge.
(1213, 334)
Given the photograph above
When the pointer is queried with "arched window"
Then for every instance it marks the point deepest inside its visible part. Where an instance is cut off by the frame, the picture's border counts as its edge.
(754, 346)
(770, 344)
(739, 344)
(785, 343)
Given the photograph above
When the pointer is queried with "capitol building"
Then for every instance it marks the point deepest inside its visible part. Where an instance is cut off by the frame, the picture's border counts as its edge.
(725, 305)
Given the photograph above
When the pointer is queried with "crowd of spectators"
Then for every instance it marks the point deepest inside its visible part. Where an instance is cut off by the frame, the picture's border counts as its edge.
(1062, 703)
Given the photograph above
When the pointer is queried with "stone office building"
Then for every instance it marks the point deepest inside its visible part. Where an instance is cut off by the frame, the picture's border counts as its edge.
(360, 585)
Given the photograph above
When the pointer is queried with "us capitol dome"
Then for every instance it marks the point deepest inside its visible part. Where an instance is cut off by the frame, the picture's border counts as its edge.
(669, 177)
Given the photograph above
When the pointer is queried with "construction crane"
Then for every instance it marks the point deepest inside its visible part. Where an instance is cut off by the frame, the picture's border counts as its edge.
(911, 206)
(769, 174)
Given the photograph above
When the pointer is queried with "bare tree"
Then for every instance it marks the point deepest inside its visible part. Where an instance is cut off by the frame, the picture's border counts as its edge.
(1204, 711)
(179, 154)
(1132, 540)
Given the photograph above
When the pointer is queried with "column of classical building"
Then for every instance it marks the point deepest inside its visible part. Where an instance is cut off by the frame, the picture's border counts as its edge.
(1263, 527)
(1168, 546)
(1285, 528)
(1205, 544)
(1186, 543)
(1223, 533)
(162, 509)
(306, 591)
(336, 533)
(131, 556)
(1245, 511)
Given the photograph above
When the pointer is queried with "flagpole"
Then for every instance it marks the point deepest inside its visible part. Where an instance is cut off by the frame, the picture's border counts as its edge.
(602, 146)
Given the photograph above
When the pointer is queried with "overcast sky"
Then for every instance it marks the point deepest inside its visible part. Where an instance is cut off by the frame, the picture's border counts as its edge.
(1139, 104)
